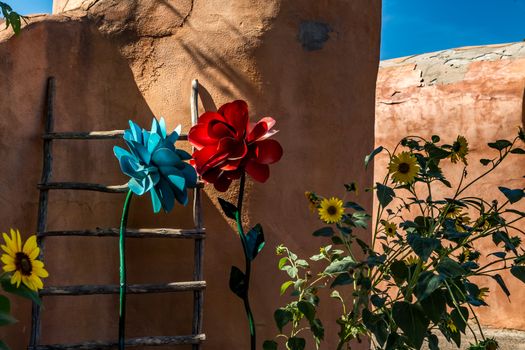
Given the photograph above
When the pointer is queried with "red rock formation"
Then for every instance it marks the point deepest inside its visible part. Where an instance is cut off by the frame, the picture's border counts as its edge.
(312, 65)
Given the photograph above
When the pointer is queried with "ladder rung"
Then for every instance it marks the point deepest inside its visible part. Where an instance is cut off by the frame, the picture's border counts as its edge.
(130, 233)
(132, 288)
(82, 186)
(91, 135)
(142, 341)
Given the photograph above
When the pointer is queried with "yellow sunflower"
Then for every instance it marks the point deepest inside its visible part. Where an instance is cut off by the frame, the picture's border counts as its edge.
(313, 200)
(390, 228)
(21, 260)
(483, 293)
(411, 260)
(459, 150)
(331, 210)
(403, 167)
(452, 211)
(452, 326)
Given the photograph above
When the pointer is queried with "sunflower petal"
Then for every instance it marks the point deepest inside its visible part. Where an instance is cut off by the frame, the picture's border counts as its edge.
(30, 245)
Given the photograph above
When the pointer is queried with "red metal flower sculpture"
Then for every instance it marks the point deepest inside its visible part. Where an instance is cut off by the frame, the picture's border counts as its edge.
(228, 145)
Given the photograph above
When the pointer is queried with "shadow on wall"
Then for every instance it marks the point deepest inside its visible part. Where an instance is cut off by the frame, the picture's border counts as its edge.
(523, 109)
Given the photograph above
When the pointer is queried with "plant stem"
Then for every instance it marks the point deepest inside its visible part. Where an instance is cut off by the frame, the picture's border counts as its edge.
(248, 267)
(122, 289)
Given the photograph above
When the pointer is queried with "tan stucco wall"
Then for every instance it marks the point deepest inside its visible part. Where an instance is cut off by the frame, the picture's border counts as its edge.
(133, 59)
(476, 92)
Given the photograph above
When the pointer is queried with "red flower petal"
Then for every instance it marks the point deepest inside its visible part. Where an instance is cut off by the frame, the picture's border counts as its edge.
(235, 149)
(236, 113)
(198, 136)
(259, 172)
(268, 151)
(218, 129)
(207, 158)
(260, 129)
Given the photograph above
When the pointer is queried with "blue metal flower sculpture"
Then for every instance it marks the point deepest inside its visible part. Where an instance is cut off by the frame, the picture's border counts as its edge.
(155, 165)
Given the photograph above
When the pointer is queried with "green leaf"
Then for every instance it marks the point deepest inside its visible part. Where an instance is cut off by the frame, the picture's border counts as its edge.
(385, 194)
(291, 271)
(411, 319)
(436, 152)
(435, 305)
(282, 317)
(296, 343)
(500, 144)
(426, 284)
(5, 305)
(377, 325)
(435, 138)
(228, 209)
(237, 282)
(269, 345)
(433, 342)
(285, 286)
(512, 195)
(307, 309)
(3, 346)
(342, 280)
(254, 241)
(353, 205)
(518, 272)
(518, 151)
(371, 156)
(21, 291)
(324, 232)
(342, 265)
(399, 270)
(485, 162)
(423, 246)
(6, 319)
(282, 262)
(351, 187)
(501, 282)
(317, 329)
(458, 320)
(449, 268)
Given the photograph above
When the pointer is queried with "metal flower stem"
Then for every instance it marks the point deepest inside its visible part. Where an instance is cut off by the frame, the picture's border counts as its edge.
(122, 270)
(238, 219)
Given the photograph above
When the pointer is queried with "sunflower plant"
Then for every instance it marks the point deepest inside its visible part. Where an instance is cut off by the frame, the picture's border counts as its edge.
(22, 275)
(12, 18)
(417, 277)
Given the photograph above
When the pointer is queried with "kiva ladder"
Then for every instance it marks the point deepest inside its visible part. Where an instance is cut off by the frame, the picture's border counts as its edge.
(196, 286)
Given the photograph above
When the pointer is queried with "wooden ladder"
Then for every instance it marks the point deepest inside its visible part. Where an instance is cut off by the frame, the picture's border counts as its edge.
(196, 286)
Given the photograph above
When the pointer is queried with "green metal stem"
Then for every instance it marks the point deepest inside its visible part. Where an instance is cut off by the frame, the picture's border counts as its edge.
(248, 266)
(122, 271)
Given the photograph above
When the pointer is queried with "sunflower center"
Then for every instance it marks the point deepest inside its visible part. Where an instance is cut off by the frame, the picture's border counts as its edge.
(403, 168)
(390, 230)
(456, 147)
(23, 263)
(331, 210)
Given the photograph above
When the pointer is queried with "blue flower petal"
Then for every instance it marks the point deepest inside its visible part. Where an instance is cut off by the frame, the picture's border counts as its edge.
(162, 125)
(140, 151)
(165, 157)
(181, 196)
(190, 175)
(136, 187)
(135, 132)
(166, 195)
(183, 154)
(119, 152)
(155, 200)
(179, 182)
(174, 136)
(130, 167)
(153, 142)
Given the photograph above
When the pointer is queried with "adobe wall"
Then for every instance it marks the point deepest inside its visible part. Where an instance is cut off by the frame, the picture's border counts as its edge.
(476, 92)
(115, 60)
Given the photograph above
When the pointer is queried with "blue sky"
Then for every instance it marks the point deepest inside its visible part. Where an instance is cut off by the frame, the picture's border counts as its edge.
(418, 26)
